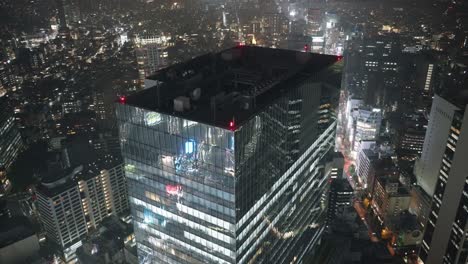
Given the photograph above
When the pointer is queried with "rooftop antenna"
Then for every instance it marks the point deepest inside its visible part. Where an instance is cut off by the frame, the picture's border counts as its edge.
(158, 93)
(213, 107)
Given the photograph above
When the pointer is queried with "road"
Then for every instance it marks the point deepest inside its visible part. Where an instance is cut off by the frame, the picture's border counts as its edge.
(362, 214)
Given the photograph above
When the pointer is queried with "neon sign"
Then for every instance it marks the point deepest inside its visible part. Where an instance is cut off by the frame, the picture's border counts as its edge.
(174, 189)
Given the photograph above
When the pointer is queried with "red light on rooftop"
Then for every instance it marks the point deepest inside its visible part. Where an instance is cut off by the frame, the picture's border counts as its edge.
(231, 124)
(339, 58)
(306, 47)
(122, 99)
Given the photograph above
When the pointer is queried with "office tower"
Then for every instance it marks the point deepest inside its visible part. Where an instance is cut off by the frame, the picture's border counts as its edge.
(418, 81)
(8, 77)
(73, 201)
(10, 144)
(366, 126)
(60, 5)
(389, 198)
(340, 198)
(373, 70)
(372, 160)
(351, 114)
(10, 138)
(68, 12)
(410, 134)
(225, 157)
(341, 193)
(365, 166)
(314, 20)
(426, 168)
(334, 168)
(445, 238)
(276, 23)
(152, 55)
(420, 205)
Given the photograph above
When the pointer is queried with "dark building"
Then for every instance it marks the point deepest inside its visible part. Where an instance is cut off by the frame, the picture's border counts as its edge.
(340, 198)
(410, 134)
(18, 240)
(11, 143)
(225, 156)
(374, 70)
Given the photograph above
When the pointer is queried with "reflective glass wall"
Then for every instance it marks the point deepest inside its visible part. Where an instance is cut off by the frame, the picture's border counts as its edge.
(202, 194)
(181, 187)
(280, 181)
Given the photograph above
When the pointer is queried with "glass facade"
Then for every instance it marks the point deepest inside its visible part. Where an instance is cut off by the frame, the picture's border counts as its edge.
(203, 194)
(10, 138)
(181, 186)
(233, 171)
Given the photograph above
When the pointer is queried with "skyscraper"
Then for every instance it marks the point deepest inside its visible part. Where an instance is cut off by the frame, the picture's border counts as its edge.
(10, 138)
(225, 156)
(445, 239)
(11, 144)
(366, 126)
(68, 12)
(426, 169)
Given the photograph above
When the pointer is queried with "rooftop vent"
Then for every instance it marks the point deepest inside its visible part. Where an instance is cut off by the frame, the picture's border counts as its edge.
(181, 103)
(196, 94)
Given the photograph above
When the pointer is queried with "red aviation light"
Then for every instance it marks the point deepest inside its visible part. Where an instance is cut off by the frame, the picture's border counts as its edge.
(122, 99)
(339, 58)
(231, 125)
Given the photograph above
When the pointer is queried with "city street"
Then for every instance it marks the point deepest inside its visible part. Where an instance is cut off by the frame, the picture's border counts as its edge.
(362, 214)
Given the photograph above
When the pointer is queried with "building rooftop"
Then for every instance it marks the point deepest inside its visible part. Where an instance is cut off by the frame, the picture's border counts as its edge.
(58, 181)
(14, 229)
(341, 185)
(233, 85)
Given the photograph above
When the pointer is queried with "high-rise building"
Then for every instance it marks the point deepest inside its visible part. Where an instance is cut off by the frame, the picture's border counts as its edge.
(420, 205)
(389, 198)
(314, 19)
(10, 138)
(418, 81)
(341, 193)
(225, 156)
(340, 198)
(71, 202)
(445, 239)
(374, 70)
(152, 55)
(366, 126)
(426, 169)
(409, 136)
(68, 12)
(275, 23)
(365, 167)
(11, 144)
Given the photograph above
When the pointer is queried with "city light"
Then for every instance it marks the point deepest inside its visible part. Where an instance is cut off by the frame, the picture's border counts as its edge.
(233, 131)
